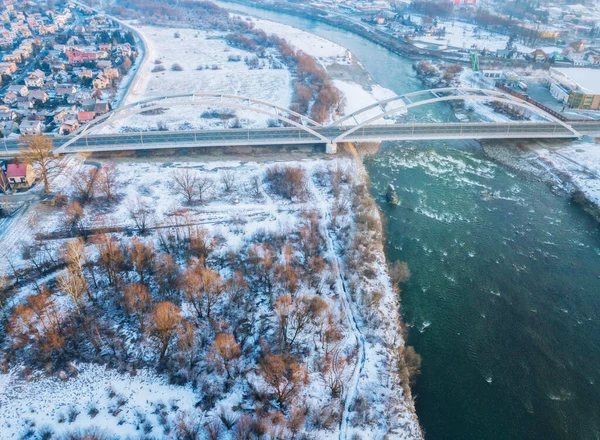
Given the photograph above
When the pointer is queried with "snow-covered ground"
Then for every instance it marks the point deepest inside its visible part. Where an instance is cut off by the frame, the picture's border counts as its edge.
(581, 162)
(208, 50)
(194, 50)
(127, 404)
(330, 54)
(124, 403)
(461, 35)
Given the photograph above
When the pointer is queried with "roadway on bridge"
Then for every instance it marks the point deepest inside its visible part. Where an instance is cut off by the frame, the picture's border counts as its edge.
(293, 135)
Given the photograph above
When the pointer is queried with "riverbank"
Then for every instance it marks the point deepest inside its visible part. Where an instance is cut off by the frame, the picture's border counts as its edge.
(395, 45)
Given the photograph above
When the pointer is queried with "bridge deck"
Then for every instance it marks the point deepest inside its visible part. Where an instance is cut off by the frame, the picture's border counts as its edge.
(293, 136)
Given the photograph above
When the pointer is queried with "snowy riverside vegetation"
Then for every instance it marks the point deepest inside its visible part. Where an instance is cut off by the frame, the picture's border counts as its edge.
(197, 300)
(313, 94)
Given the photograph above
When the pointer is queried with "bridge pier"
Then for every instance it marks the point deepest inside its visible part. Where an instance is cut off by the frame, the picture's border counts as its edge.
(331, 148)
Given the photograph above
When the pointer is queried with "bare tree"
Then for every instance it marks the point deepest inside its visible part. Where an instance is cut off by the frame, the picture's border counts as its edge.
(141, 214)
(186, 184)
(85, 185)
(255, 186)
(74, 285)
(77, 260)
(293, 317)
(108, 182)
(204, 185)
(228, 180)
(36, 150)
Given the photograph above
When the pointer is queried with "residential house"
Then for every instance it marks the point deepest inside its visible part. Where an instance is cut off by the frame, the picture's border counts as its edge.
(77, 56)
(539, 56)
(6, 114)
(85, 116)
(101, 108)
(106, 47)
(38, 95)
(31, 127)
(35, 79)
(19, 89)
(64, 90)
(11, 67)
(85, 74)
(10, 98)
(111, 73)
(88, 105)
(68, 126)
(104, 64)
(123, 50)
(24, 103)
(578, 45)
(577, 58)
(101, 82)
(12, 58)
(20, 175)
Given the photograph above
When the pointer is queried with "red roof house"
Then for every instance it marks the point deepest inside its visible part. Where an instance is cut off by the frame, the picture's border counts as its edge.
(20, 175)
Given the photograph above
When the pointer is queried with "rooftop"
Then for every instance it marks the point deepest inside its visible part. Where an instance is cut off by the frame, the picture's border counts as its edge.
(587, 79)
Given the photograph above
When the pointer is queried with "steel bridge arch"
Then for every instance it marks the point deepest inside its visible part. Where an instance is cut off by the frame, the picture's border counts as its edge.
(460, 95)
(199, 99)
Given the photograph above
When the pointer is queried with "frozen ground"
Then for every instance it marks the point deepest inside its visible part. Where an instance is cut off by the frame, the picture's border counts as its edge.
(581, 162)
(194, 50)
(209, 50)
(334, 58)
(235, 217)
(121, 400)
(466, 36)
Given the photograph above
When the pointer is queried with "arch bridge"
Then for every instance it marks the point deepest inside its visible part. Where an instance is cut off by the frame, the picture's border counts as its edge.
(374, 123)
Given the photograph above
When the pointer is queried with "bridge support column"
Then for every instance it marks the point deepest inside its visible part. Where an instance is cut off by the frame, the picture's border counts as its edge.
(331, 148)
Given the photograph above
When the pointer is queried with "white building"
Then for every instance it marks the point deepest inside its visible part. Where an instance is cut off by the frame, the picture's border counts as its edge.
(31, 127)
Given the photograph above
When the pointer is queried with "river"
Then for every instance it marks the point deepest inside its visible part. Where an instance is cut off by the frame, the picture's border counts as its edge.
(504, 299)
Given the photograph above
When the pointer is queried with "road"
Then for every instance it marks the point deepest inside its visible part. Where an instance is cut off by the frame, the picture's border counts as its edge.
(292, 135)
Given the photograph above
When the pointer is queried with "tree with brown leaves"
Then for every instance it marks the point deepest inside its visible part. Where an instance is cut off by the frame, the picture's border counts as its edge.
(138, 302)
(166, 317)
(223, 353)
(202, 287)
(111, 257)
(284, 375)
(141, 256)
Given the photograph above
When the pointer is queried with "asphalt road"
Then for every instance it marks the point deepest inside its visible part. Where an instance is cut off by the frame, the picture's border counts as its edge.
(293, 135)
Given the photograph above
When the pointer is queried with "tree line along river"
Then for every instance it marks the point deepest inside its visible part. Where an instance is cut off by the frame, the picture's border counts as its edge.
(504, 299)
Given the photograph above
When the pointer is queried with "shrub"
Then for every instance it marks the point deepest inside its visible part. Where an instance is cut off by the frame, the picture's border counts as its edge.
(288, 182)
(158, 69)
(176, 67)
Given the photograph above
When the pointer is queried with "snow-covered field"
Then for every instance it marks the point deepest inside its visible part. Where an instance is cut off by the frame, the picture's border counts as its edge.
(461, 35)
(194, 49)
(127, 405)
(124, 403)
